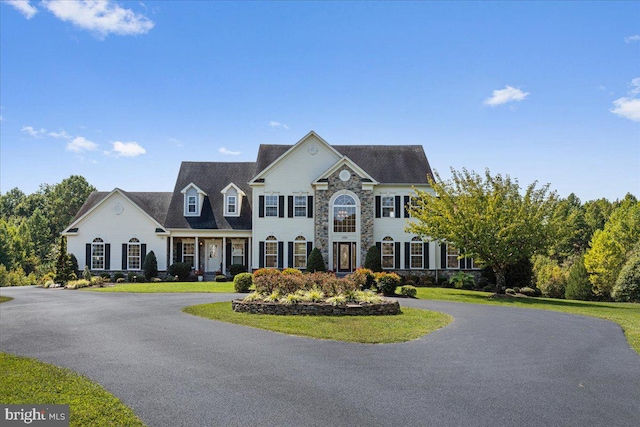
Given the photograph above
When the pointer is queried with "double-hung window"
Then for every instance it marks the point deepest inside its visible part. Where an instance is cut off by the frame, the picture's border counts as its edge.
(271, 205)
(300, 206)
(237, 255)
(133, 254)
(388, 207)
(417, 256)
(188, 253)
(388, 253)
(271, 252)
(300, 253)
(453, 255)
(231, 204)
(192, 204)
(97, 254)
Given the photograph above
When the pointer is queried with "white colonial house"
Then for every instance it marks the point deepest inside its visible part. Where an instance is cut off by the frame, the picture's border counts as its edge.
(269, 213)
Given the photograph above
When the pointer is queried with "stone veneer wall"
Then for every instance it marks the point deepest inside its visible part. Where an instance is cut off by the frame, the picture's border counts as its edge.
(387, 307)
(322, 213)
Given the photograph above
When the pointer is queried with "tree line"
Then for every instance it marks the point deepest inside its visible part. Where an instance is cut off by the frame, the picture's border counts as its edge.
(30, 227)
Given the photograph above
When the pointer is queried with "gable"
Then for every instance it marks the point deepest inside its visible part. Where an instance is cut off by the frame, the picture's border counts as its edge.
(308, 158)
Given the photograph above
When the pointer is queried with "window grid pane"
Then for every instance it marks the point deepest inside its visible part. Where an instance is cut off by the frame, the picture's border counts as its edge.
(271, 254)
(231, 204)
(344, 219)
(237, 254)
(388, 207)
(191, 204)
(300, 255)
(452, 257)
(388, 255)
(300, 206)
(271, 205)
(97, 256)
(416, 255)
(134, 256)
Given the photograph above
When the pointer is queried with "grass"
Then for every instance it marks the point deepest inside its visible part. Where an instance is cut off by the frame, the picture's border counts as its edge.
(409, 325)
(168, 287)
(627, 315)
(29, 381)
(5, 299)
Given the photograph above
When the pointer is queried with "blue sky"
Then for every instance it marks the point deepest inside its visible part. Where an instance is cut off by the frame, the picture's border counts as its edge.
(122, 92)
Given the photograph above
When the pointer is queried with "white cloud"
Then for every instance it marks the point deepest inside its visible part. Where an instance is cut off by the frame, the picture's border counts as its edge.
(60, 135)
(100, 16)
(228, 152)
(80, 144)
(634, 38)
(629, 107)
(502, 96)
(23, 7)
(33, 132)
(278, 125)
(128, 149)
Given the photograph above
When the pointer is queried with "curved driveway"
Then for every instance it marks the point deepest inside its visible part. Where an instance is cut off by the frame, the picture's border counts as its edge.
(492, 366)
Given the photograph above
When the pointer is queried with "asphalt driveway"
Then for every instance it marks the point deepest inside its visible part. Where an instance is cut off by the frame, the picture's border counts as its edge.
(492, 366)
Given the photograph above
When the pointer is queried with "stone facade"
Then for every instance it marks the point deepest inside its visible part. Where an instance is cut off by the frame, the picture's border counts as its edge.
(322, 209)
(387, 307)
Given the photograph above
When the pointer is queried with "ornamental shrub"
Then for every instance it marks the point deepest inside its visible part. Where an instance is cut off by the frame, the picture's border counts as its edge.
(132, 277)
(118, 275)
(74, 264)
(221, 278)
(363, 278)
(292, 271)
(235, 269)
(180, 269)
(461, 280)
(627, 287)
(106, 276)
(530, 292)
(266, 280)
(408, 291)
(150, 266)
(373, 259)
(387, 283)
(242, 282)
(315, 261)
(86, 274)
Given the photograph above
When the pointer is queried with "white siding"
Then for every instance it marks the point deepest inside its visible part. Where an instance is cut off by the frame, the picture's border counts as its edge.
(116, 230)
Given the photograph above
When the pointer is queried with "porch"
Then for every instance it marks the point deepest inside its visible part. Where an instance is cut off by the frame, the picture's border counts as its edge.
(211, 255)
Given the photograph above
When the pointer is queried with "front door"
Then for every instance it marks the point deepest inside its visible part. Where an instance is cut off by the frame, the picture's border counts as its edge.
(214, 255)
(344, 257)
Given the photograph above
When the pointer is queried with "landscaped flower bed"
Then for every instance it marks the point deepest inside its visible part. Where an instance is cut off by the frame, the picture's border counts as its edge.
(292, 292)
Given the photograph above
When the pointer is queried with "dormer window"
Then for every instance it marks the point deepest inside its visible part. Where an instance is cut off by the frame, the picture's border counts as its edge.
(193, 200)
(232, 199)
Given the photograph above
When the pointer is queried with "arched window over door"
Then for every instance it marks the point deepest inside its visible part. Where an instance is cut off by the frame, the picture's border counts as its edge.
(344, 214)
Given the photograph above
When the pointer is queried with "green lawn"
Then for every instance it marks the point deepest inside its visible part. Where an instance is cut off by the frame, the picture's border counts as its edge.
(24, 381)
(626, 315)
(5, 299)
(169, 287)
(409, 325)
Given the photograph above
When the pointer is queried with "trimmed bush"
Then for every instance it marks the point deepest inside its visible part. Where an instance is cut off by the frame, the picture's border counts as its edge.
(77, 284)
(235, 269)
(242, 282)
(150, 266)
(292, 271)
(221, 278)
(98, 281)
(180, 269)
(132, 277)
(315, 261)
(74, 264)
(461, 280)
(373, 259)
(408, 291)
(86, 273)
(106, 276)
(266, 280)
(363, 278)
(387, 283)
(118, 275)
(627, 287)
(170, 278)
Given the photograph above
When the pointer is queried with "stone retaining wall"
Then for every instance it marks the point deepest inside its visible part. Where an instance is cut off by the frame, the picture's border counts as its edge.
(317, 309)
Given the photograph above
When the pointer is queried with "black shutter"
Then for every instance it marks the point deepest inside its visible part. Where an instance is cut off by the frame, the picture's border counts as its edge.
(178, 255)
(407, 255)
(229, 255)
(309, 248)
(406, 206)
(261, 206)
(280, 252)
(309, 206)
(124, 256)
(261, 255)
(290, 206)
(468, 263)
(246, 255)
(378, 207)
(397, 210)
(290, 248)
(87, 255)
(143, 255)
(397, 262)
(425, 254)
(379, 246)
(281, 206)
(107, 256)
(443, 256)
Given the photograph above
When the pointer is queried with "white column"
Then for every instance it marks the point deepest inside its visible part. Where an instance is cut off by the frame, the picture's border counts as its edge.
(197, 255)
(170, 252)
(224, 255)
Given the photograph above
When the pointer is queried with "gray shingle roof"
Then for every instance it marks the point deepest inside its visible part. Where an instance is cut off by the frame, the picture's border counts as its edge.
(392, 164)
(155, 204)
(212, 178)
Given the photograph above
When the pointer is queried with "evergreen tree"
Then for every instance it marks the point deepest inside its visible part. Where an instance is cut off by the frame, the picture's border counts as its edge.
(578, 284)
(373, 259)
(315, 261)
(150, 266)
(63, 264)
